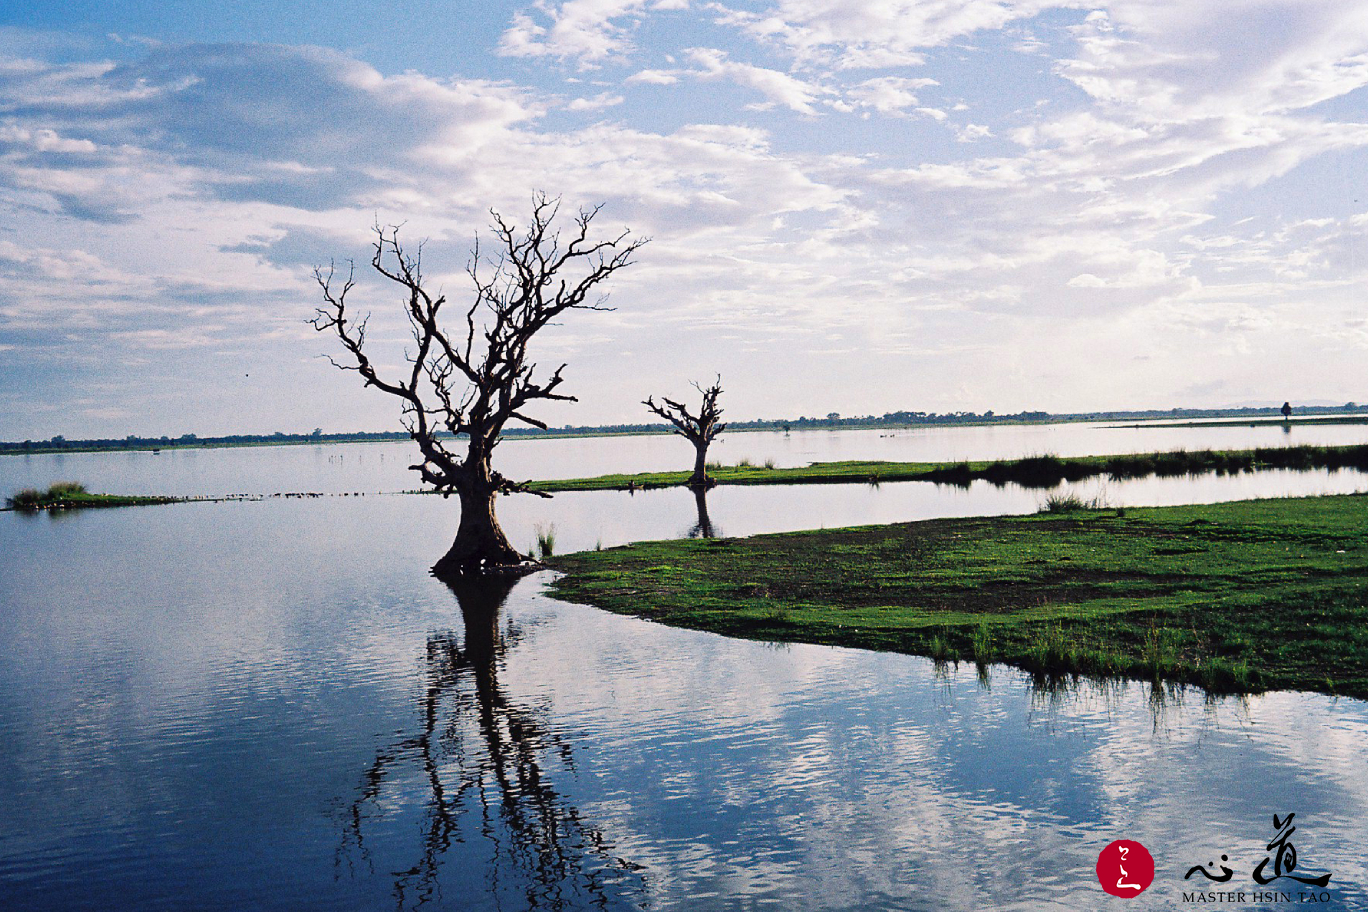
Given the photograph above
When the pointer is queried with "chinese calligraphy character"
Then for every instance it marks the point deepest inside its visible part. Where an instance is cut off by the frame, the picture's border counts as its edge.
(1226, 873)
(1121, 881)
(1285, 857)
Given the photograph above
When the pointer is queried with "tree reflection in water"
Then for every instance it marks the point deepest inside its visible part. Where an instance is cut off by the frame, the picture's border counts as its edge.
(704, 527)
(493, 823)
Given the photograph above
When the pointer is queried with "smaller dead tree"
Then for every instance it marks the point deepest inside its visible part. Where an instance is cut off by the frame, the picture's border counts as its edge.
(699, 429)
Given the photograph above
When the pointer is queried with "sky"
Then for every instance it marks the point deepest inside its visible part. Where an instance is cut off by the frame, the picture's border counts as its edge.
(854, 206)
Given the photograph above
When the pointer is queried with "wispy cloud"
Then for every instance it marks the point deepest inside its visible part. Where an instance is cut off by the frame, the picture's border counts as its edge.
(868, 34)
(777, 88)
(584, 32)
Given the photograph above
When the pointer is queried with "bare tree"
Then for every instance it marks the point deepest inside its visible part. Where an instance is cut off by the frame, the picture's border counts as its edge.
(467, 380)
(699, 429)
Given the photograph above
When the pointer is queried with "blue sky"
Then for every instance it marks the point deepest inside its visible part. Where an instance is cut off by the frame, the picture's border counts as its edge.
(856, 206)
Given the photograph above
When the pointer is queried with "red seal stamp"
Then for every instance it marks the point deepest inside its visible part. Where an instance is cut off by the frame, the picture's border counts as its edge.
(1125, 868)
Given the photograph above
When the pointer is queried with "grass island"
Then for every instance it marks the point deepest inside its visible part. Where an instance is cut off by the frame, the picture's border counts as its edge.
(71, 495)
(1235, 597)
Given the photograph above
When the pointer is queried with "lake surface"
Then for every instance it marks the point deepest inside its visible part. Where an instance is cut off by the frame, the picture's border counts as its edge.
(375, 467)
(272, 705)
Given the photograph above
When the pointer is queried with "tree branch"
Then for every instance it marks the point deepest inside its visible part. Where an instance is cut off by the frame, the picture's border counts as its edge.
(472, 384)
(702, 427)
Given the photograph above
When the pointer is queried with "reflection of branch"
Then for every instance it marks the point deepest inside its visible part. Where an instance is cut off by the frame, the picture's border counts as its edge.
(477, 750)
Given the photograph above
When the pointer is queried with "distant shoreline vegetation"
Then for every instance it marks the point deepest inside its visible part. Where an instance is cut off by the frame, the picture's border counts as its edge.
(1351, 413)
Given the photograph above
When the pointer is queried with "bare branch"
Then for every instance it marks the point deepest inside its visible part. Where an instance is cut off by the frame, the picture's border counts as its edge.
(702, 427)
(470, 379)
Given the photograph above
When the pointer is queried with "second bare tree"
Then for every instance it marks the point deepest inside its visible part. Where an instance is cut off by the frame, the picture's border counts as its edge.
(698, 428)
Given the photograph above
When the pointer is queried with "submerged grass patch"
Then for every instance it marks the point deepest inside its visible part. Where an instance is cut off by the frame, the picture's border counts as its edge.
(1249, 596)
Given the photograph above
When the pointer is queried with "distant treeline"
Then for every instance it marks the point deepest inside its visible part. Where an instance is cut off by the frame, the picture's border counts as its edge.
(832, 420)
(60, 444)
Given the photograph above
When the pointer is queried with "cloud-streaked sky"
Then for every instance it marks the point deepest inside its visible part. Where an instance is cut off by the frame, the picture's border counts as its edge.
(856, 205)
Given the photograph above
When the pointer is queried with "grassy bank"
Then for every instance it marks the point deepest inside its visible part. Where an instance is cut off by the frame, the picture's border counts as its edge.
(1032, 471)
(1249, 596)
(69, 495)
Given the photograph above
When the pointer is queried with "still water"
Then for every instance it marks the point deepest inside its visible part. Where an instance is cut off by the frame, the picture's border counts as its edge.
(271, 705)
(374, 467)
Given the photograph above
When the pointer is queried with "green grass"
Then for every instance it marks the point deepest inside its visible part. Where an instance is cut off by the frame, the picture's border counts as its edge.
(1069, 502)
(546, 540)
(68, 495)
(1239, 597)
(1033, 471)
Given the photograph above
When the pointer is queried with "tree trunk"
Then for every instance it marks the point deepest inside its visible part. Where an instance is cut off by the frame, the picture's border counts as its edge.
(700, 477)
(480, 544)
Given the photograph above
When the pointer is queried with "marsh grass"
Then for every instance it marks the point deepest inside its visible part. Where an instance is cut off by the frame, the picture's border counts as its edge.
(68, 494)
(546, 540)
(71, 495)
(26, 499)
(57, 494)
(1071, 502)
(981, 644)
(775, 614)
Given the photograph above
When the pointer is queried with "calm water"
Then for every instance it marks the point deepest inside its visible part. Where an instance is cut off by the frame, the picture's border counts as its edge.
(271, 705)
(376, 467)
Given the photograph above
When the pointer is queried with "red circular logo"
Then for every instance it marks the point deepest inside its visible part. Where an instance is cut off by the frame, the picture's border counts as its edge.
(1125, 868)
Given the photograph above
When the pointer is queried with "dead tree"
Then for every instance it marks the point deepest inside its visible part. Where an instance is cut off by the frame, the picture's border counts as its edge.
(699, 429)
(470, 376)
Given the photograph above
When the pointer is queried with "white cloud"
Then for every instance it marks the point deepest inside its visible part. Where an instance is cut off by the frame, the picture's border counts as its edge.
(597, 103)
(653, 77)
(891, 95)
(876, 33)
(778, 88)
(587, 32)
(43, 140)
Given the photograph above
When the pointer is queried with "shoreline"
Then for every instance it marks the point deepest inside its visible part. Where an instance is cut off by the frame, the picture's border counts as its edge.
(1239, 597)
